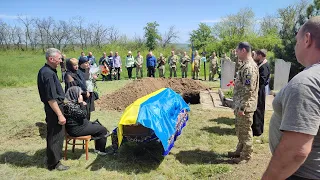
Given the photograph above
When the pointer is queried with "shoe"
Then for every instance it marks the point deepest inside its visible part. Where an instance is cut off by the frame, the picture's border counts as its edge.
(233, 154)
(59, 167)
(101, 153)
(240, 160)
(62, 167)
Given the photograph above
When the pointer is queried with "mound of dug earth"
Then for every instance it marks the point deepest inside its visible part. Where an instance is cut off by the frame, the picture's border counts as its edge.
(122, 98)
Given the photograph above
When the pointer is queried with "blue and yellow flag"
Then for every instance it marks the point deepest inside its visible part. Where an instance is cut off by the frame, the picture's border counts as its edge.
(192, 58)
(163, 111)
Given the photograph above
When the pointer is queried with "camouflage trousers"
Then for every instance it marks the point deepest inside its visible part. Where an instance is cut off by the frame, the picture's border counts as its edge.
(213, 71)
(195, 73)
(173, 70)
(184, 72)
(161, 71)
(244, 134)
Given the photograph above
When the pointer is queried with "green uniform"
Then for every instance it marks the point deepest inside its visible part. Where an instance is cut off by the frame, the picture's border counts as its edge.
(184, 65)
(173, 65)
(212, 67)
(235, 59)
(196, 69)
(161, 66)
(245, 99)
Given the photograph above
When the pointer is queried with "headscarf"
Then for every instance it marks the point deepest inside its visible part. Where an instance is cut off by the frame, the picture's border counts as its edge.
(72, 94)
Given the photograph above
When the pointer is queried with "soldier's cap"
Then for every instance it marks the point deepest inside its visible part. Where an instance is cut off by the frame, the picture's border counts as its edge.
(129, 52)
(263, 52)
(244, 45)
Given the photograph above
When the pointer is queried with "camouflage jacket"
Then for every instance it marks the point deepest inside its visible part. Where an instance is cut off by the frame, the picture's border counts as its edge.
(246, 87)
(184, 61)
(196, 61)
(161, 61)
(173, 60)
(233, 57)
(213, 62)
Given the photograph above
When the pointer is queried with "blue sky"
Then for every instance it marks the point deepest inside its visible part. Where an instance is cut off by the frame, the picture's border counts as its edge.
(130, 16)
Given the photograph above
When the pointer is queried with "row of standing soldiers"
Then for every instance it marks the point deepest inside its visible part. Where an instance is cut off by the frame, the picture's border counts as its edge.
(185, 59)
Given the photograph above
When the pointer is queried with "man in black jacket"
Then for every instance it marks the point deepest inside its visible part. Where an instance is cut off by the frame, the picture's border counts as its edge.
(52, 96)
(264, 75)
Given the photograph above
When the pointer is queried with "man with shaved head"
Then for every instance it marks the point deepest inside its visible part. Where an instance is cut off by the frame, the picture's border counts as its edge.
(91, 58)
(245, 103)
(294, 136)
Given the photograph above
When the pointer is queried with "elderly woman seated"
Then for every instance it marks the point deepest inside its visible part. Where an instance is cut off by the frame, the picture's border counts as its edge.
(77, 123)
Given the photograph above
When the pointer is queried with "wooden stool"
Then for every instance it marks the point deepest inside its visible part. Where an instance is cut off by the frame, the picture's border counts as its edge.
(85, 143)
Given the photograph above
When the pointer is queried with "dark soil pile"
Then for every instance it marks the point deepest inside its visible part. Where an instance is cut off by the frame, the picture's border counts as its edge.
(122, 98)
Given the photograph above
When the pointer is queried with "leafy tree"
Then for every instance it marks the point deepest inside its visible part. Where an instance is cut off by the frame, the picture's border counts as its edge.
(292, 18)
(201, 37)
(237, 25)
(151, 35)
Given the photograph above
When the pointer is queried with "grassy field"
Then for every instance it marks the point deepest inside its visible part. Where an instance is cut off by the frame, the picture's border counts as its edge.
(199, 153)
(20, 69)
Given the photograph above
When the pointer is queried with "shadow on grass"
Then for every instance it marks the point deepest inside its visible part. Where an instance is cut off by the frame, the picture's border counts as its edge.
(198, 156)
(42, 129)
(131, 158)
(22, 159)
(220, 131)
(224, 120)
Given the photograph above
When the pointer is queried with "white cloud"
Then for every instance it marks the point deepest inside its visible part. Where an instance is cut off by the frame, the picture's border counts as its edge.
(211, 20)
(4, 16)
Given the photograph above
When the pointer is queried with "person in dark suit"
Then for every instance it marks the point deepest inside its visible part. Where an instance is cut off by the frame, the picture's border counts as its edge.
(52, 96)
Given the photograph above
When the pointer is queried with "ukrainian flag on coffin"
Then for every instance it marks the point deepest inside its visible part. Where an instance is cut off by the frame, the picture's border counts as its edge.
(159, 111)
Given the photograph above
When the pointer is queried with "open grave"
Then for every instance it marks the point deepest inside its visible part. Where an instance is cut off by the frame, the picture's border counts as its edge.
(191, 91)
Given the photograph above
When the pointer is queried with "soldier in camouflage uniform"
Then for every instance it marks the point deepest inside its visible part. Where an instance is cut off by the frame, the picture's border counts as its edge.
(224, 58)
(196, 70)
(139, 62)
(213, 60)
(245, 101)
(235, 59)
(173, 59)
(184, 64)
(161, 65)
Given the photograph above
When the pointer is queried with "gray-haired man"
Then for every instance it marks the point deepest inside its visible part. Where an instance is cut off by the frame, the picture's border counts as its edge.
(52, 96)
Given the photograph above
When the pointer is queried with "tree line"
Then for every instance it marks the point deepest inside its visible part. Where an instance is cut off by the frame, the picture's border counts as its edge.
(274, 32)
(35, 33)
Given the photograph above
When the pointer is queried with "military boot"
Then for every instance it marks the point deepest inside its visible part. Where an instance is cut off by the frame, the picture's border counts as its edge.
(233, 154)
(236, 154)
(244, 158)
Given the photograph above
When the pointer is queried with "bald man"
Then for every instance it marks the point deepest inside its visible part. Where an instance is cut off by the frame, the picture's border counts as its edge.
(294, 136)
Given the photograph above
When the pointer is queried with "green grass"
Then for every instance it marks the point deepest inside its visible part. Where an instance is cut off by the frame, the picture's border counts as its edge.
(20, 69)
(199, 153)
